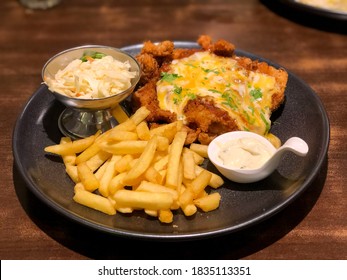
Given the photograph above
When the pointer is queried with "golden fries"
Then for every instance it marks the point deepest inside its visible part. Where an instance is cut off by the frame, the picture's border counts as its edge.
(143, 200)
(142, 163)
(142, 131)
(133, 167)
(94, 201)
(87, 177)
(172, 176)
(73, 147)
(119, 114)
(209, 202)
(199, 149)
(188, 165)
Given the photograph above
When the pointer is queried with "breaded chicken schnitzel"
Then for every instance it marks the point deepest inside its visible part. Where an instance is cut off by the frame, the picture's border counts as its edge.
(210, 89)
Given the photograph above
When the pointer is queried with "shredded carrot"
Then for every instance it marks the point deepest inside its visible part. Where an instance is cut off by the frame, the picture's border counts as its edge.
(89, 58)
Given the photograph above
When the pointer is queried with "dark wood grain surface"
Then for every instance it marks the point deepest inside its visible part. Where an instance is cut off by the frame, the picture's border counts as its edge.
(315, 49)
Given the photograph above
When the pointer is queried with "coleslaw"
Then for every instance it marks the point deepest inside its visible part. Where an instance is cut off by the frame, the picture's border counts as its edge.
(92, 77)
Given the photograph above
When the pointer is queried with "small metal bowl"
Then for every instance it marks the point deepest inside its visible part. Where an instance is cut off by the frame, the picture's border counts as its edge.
(84, 117)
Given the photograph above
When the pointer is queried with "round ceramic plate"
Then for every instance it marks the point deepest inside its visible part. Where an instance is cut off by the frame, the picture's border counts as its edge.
(316, 11)
(242, 205)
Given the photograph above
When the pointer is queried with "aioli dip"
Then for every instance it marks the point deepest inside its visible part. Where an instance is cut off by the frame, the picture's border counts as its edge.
(244, 153)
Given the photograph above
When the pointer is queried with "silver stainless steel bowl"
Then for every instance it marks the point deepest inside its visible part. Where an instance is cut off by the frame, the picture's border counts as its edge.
(84, 117)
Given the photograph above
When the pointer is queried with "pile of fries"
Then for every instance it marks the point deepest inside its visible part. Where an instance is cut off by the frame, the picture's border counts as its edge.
(133, 167)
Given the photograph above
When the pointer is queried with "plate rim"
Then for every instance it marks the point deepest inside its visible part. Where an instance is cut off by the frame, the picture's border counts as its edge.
(177, 236)
(317, 11)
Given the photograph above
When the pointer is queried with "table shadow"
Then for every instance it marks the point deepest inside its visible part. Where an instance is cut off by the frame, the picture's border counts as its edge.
(94, 244)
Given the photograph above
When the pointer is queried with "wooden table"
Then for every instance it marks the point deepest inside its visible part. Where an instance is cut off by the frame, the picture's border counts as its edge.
(313, 227)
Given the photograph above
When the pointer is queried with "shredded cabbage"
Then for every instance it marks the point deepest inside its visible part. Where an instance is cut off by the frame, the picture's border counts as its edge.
(95, 78)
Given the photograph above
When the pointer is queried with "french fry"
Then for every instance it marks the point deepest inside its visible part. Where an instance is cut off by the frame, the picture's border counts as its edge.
(143, 200)
(101, 171)
(152, 175)
(159, 155)
(79, 186)
(71, 158)
(143, 162)
(109, 173)
(119, 114)
(180, 177)
(125, 210)
(140, 115)
(197, 158)
(69, 148)
(172, 176)
(199, 149)
(274, 140)
(200, 183)
(71, 170)
(124, 163)
(87, 177)
(216, 180)
(142, 131)
(209, 202)
(124, 147)
(122, 136)
(88, 153)
(188, 165)
(128, 125)
(189, 209)
(186, 197)
(116, 183)
(202, 194)
(97, 160)
(165, 216)
(133, 167)
(94, 201)
(163, 143)
(146, 186)
(152, 213)
(162, 163)
(166, 130)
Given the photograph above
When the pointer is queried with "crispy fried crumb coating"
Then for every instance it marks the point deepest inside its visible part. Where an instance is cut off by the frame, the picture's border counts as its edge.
(162, 49)
(147, 96)
(280, 75)
(149, 68)
(204, 121)
(203, 114)
(220, 47)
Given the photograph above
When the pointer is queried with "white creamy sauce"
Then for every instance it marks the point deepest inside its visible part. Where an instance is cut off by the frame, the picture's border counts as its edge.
(244, 153)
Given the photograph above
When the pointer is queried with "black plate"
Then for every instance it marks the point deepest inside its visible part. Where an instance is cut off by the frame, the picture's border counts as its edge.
(302, 115)
(315, 11)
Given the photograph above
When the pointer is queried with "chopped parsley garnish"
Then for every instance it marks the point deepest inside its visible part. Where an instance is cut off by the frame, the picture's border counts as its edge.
(169, 77)
(267, 124)
(191, 65)
(250, 119)
(251, 109)
(256, 93)
(210, 70)
(177, 90)
(178, 94)
(228, 101)
(214, 91)
(90, 54)
(191, 96)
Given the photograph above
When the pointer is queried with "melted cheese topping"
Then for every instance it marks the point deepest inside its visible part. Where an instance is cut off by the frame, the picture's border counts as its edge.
(245, 95)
